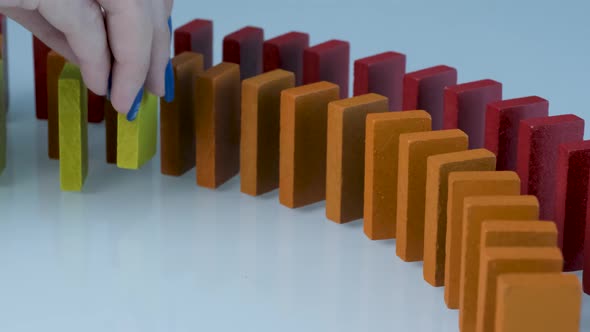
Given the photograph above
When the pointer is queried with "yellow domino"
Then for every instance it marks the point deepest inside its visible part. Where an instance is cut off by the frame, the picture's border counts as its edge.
(136, 140)
(73, 134)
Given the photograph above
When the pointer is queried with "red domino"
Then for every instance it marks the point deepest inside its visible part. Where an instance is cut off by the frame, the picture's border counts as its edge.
(586, 275)
(195, 36)
(244, 47)
(286, 52)
(95, 107)
(571, 201)
(382, 74)
(538, 149)
(328, 61)
(466, 105)
(424, 90)
(502, 122)
(40, 52)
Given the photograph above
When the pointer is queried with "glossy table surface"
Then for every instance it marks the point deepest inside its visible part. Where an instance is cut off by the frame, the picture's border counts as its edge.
(138, 251)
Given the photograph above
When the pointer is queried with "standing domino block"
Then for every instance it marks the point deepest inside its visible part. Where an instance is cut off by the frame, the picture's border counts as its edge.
(286, 52)
(303, 136)
(217, 99)
(137, 139)
(538, 149)
(435, 220)
(571, 201)
(500, 261)
(55, 65)
(466, 106)
(382, 74)
(462, 185)
(476, 210)
(177, 119)
(346, 155)
(414, 150)
(195, 36)
(40, 51)
(518, 233)
(95, 107)
(502, 122)
(110, 125)
(540, 302)
(381, 168)
(329, 62)
(73, 134)
(244, 47)
(425, 89)
(259, 143)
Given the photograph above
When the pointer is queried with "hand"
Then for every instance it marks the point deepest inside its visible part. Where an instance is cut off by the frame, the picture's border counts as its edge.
(134, 33)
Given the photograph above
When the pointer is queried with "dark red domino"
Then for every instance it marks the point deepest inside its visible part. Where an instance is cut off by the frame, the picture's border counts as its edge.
(571, 201)
(502, 122)
(286, 52)
(424, 90)
(40, 52)
(244, 47)
(195, 36)
(329, 62)
(538, 149)
(382, 74)
(466, 105)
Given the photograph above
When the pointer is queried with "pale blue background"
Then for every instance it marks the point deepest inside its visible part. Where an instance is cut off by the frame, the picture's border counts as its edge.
(138, 251)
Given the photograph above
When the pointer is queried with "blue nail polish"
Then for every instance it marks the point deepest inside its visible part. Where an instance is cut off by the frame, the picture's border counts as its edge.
(170, 27)
(109, 86)
(135, 107)
(169, 96)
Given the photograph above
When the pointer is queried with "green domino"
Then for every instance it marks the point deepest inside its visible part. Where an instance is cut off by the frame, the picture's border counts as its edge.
(73, 130)
(137, 140)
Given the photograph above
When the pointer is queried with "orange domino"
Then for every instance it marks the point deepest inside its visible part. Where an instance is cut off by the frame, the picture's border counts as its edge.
(496, 262)
(476, 210)
(414, 150)
(435, 219)
(462, 185)
(217, 116)
(303, 136)
(518, 233)
(345, 157)
(177, 119)
(522, 298)
(381, 162)
(259, 145)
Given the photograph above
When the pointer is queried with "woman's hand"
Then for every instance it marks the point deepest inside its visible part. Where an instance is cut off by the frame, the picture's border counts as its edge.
(129, 38)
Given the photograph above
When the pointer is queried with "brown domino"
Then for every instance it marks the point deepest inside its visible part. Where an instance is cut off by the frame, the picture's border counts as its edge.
(414, 150)
(461, 185)
(435, 219)
(346, 156)
(476, 210)
(381, 162)
(522, 298)
(498, 261)
(110, 125)
(55, 64)
(303, 136)
(177, 119)
(217, 106)
(259, 145)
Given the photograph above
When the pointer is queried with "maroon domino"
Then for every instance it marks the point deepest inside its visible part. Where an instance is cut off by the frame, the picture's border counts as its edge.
(286, 52)
(424, 90)
(466, 105)
(328, 61)
(571, 201)
(382, 74)
(40, 52)
(538, 149)
(502, 122)
(195, 36)
(244, 47)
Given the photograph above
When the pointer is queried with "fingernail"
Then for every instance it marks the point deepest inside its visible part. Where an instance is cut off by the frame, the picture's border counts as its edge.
(109, 86)
(135, 107)
(170, 27)
(169, 96)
